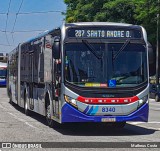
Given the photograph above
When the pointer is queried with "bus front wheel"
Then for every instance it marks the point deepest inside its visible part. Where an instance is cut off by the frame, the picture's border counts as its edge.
(10, 98)
(48, 115)
(26, 110)
(51, 123)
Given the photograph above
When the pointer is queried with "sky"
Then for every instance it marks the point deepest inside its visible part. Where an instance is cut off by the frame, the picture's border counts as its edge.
(21, 20)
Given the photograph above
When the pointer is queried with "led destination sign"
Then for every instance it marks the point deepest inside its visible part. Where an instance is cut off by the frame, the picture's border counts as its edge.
(100, 33)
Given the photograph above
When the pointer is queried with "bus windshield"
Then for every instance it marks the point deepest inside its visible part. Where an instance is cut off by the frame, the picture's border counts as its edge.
(97, 64)
(3, 72)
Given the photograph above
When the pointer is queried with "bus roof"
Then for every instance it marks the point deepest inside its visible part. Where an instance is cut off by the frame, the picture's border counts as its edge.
(41, 35)
(80, 24)
(98, 24)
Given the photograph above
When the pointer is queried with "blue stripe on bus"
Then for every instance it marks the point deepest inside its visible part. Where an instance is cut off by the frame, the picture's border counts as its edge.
(71, 114)
(3, 83)
(85, 111)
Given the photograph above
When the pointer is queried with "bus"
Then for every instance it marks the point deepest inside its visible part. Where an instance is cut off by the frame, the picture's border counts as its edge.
(73, 74)
(3, 73)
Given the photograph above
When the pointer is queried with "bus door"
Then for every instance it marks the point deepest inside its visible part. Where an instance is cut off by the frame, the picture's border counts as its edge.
(56, 87)
(16, 77)
(31, 83)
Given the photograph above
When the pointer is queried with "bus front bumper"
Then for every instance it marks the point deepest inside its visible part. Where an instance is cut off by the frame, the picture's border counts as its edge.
(71, 114)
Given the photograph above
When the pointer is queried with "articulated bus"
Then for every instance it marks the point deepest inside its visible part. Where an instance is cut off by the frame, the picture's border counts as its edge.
(3, 73)
(83, 72)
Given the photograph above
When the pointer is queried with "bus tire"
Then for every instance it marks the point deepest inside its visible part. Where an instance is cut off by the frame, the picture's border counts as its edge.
(48, 114)
(26, 110)
(157, 99)
(10, 98)
(50, 122)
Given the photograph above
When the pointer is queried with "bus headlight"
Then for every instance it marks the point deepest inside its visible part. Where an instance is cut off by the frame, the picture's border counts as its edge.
(142, 100)
(71, 101)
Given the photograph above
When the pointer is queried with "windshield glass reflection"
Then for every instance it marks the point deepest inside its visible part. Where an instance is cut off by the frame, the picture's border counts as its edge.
(84, 68)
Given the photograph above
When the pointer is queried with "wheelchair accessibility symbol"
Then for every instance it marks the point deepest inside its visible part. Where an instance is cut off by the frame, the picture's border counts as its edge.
(112, 83)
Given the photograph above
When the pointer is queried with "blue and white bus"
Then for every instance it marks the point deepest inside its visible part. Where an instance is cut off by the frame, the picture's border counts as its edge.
(3, 73)
(83, 72)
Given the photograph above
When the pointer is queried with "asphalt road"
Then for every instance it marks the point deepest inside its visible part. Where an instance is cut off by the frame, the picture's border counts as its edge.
(15, 126)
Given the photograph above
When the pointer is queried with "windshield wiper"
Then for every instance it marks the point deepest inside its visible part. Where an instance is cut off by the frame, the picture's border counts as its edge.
(125, 76)
(121, 49)
(92, 49)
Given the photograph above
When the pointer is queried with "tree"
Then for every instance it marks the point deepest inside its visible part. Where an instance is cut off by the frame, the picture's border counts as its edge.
(146, 15)
(117, 11)
(71, 9)
(83, 10)
(141, 12)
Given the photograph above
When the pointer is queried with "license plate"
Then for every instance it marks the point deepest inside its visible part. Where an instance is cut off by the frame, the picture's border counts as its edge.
(108, 120)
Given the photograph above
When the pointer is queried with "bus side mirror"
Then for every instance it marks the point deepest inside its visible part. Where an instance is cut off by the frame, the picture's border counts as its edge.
(56, 48)
(152, 60)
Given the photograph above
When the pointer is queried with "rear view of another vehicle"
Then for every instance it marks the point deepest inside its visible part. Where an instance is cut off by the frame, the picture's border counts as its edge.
(3, 74)
(155, 92)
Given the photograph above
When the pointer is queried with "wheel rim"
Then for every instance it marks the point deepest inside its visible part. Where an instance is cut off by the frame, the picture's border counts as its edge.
(48, 112)
(25, 102)
(26, 106)
(11, 97)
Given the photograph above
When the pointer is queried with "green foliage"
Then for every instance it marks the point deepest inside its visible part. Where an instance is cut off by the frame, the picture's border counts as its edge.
(146, 15)
(117, 11)
(141, 12)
